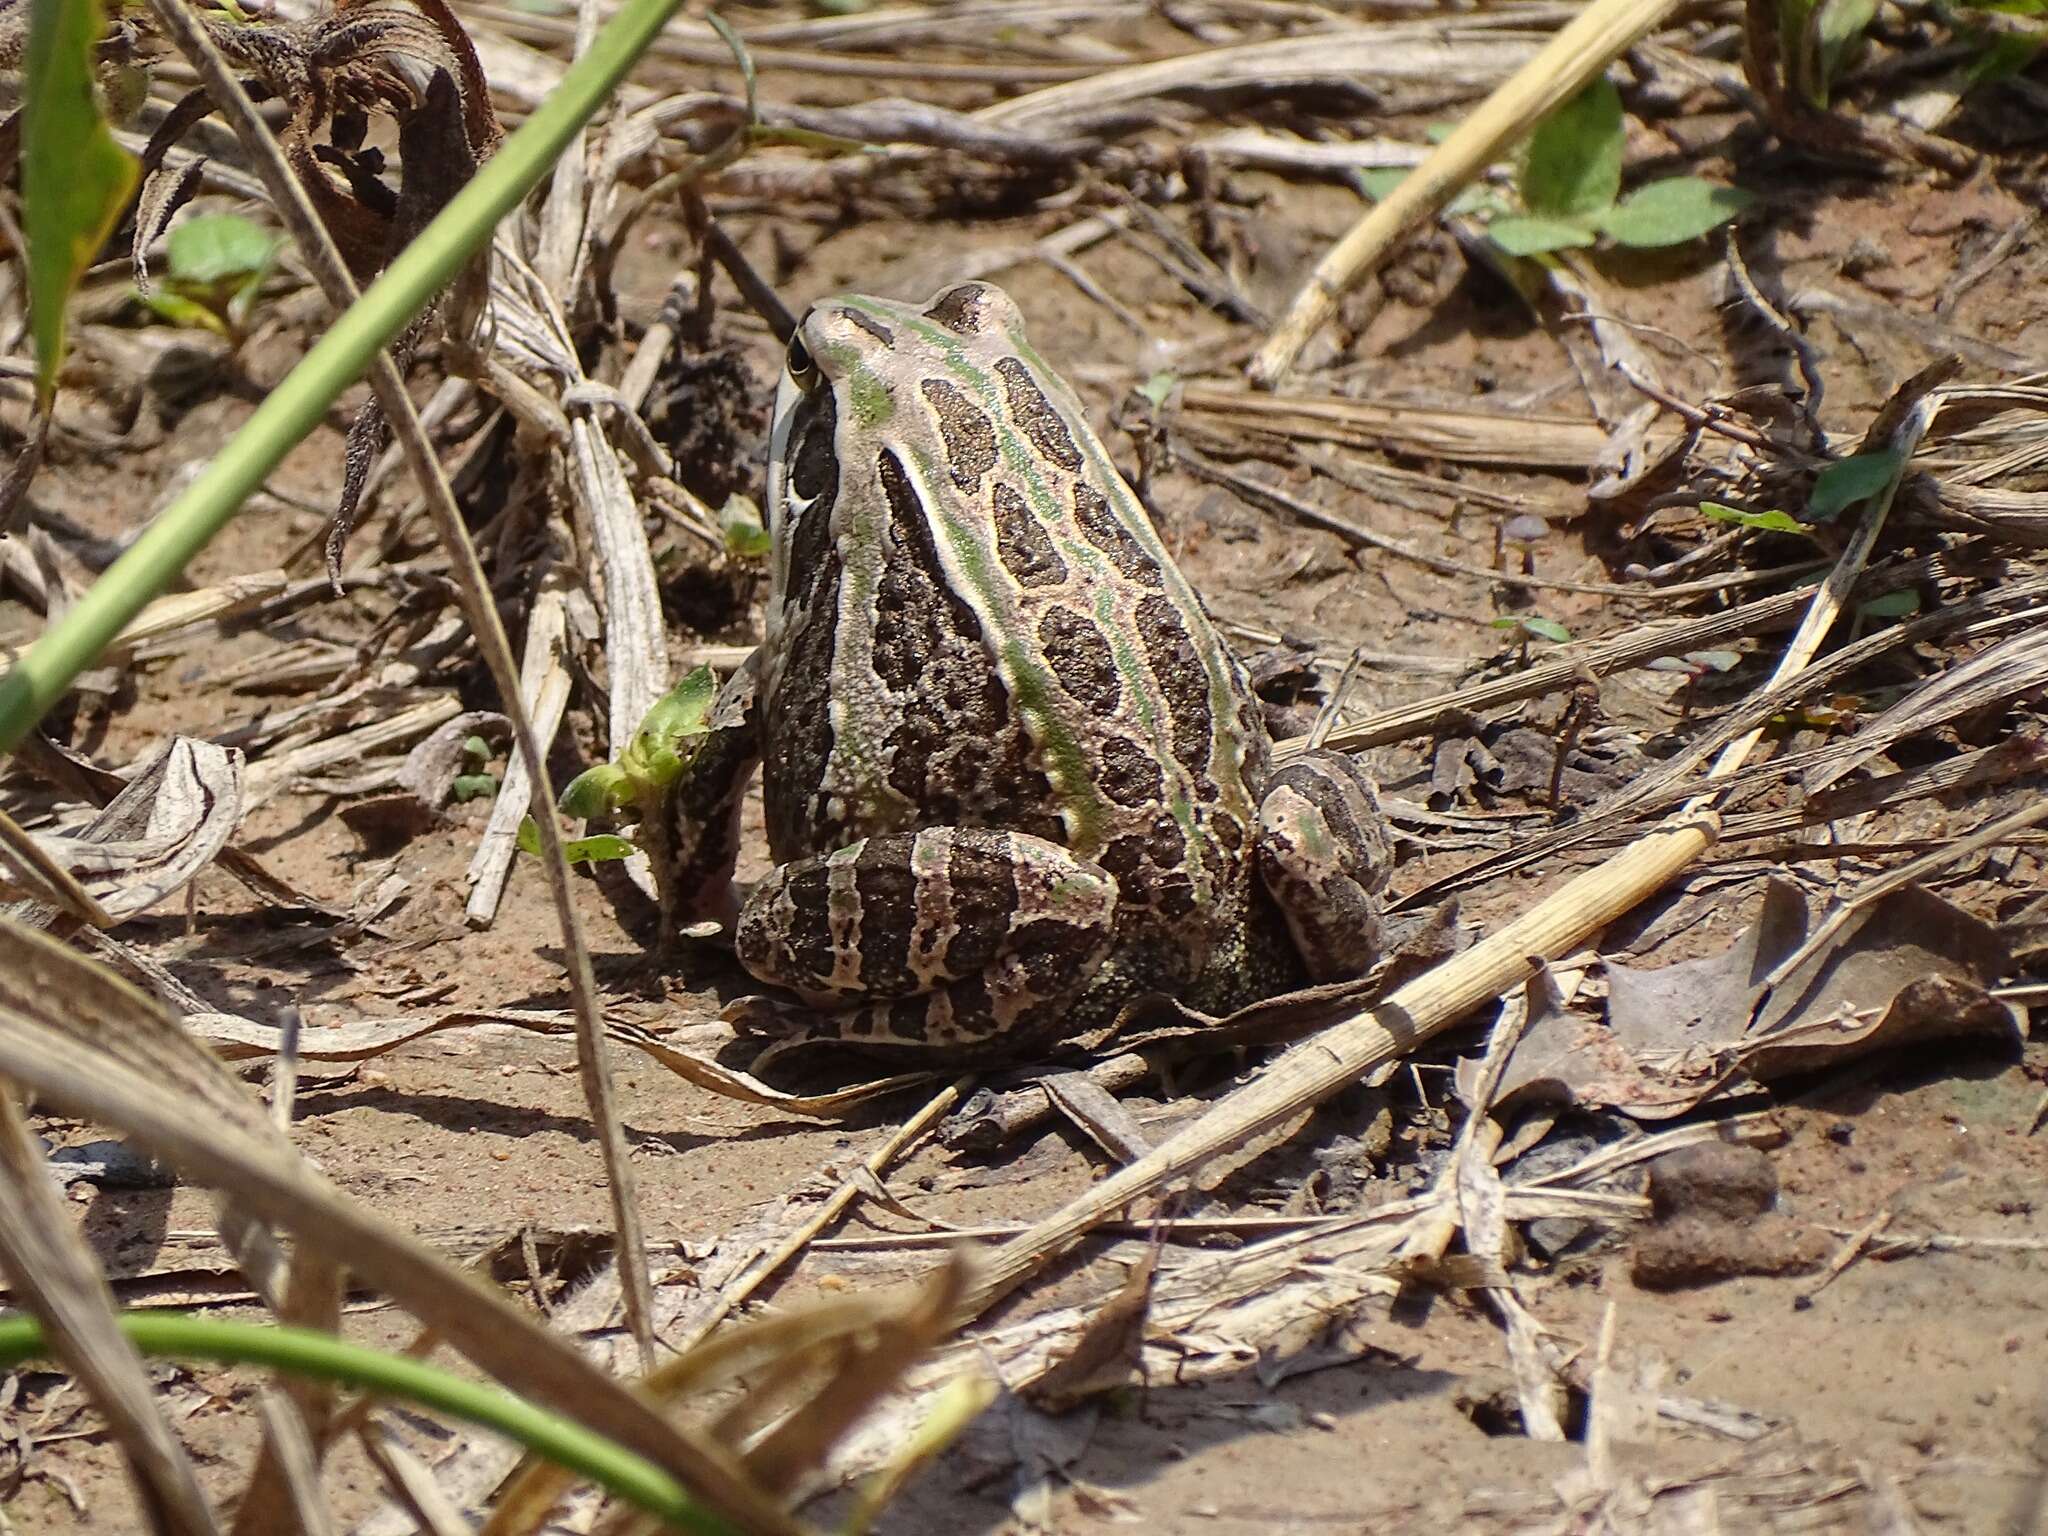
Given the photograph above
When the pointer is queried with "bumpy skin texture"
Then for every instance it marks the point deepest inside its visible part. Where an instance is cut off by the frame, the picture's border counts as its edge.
(1013, 777)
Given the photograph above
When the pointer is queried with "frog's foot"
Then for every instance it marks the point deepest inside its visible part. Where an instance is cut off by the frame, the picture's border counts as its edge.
(1323, 857)
(950, 939)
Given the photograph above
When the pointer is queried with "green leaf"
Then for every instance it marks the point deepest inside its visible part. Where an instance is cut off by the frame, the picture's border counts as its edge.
(2002, 55)
(739, 523)
(1379, 183)
(1157, 388)
(1893, 605)
(1530, 624)
(595, 791)
(1573, 165)
(475, 750)
(1520, 235)
(1763, 522)
(1838, 29)
(474, 786)
(75, 179)
(602, 849)
(179, 310)
(219, 248)
(1672, 211)
(653, 760)
(1847, 481)
(216, 261)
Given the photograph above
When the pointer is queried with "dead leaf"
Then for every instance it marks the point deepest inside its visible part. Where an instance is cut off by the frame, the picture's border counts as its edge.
(407, 61)
(1107, 1354)
(159, 832)
(1914, 968)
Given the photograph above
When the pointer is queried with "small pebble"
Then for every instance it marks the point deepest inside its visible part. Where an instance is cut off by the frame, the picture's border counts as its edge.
(1716, 1178)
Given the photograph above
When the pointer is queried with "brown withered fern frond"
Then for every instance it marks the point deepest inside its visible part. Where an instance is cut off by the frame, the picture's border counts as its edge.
(406, 60)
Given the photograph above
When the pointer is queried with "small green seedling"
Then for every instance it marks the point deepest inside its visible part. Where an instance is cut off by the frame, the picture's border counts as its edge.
(1836, 488)
(1818, 40)
(1893, 605)
(1155, 389)
(1694, 667)
(1570, 185)
(1762, 522)
(739, 523)
(217, 263)
(1696, 664)
(476, 781)
(633, 784)
(1821, 40)
(1529, 628)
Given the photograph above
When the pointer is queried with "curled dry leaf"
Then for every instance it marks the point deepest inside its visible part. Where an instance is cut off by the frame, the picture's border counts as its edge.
(1915, 967)
(406, 60)
(170, 822)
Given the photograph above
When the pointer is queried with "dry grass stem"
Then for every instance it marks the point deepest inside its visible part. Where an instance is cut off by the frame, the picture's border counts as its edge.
(325, 260)
(50, 1267)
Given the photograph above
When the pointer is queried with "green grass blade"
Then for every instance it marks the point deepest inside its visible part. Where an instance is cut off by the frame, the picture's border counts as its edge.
(75, 179)
(308, 1352)
(297, 405)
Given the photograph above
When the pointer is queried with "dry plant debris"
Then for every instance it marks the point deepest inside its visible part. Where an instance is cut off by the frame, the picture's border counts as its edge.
(1541, 527)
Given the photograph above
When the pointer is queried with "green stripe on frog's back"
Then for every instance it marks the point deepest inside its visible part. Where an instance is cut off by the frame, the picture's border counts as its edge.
(1042, 433)
(1224, 688)
(967, 547)
(860, 731)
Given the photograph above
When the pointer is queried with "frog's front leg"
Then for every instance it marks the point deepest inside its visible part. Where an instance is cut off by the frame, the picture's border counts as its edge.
(1324, 859)
(951, 938)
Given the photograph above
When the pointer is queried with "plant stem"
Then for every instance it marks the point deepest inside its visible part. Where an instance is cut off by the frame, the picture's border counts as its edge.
(336, 361)
(309, 1352)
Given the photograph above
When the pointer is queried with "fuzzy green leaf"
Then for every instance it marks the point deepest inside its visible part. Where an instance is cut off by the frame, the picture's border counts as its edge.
(1672, 211)
(1157, 388)
(1520, 235)
(214, 248)
(653, 760)
(176, 309)
(474, 786)
(1573, 166)
(75, 179)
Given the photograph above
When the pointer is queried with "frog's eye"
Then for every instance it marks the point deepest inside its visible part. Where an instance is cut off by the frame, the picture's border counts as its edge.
(802, 369)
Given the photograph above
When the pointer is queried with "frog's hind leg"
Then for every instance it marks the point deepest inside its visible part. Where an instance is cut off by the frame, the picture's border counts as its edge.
(950, 940)
(1323, 858)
